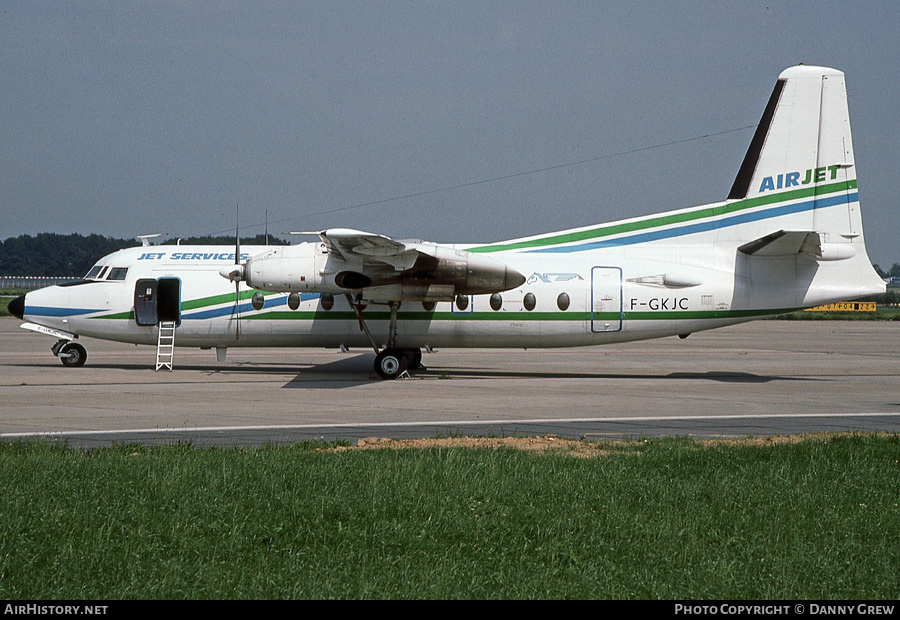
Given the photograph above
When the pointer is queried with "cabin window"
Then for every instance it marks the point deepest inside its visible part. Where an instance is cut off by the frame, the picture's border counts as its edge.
(496, 301)
(117, 273)
(257, 301)
(326, 301)
(428, 306)
(530, 302)
(293, 301)
(562, 302)
(462, 302)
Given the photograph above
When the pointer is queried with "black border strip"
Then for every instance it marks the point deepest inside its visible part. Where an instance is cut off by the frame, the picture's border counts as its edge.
(745, 174)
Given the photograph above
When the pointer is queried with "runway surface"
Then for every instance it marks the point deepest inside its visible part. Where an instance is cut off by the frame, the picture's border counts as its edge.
(762, 378)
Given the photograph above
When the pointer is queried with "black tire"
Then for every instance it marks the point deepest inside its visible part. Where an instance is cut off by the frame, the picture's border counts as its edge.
(390, 363)
(413, 358)
(73, 355)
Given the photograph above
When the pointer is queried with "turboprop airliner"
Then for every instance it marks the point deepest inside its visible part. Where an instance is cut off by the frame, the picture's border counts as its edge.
(788, 236)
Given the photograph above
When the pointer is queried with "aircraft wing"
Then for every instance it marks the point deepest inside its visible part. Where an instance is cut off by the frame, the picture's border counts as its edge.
(380, 268)
(355, 245)
(386, 261)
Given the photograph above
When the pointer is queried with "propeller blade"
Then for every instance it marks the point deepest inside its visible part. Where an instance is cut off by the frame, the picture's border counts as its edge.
(237, 309)
(237, 236)
(237, 273)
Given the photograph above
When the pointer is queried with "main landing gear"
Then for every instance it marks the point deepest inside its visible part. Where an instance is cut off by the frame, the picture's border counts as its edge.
(392, 361)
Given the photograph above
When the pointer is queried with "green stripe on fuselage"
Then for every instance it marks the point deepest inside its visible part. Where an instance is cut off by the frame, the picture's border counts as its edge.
(678, 315)
(215, 300)
(122, 316)
(667, 220)
(338, 315)
(192, 304)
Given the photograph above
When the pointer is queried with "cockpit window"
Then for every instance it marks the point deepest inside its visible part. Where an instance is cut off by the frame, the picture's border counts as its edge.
(93, 273)
(117, 273)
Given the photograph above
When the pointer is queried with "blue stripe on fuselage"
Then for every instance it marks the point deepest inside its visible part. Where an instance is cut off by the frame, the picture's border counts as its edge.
(215, 313)
(245, 307)
(681, 231)
(53, 311)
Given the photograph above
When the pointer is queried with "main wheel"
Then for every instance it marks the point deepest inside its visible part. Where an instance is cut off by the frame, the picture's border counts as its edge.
(390, 363)
(413, 358)
(73, 355)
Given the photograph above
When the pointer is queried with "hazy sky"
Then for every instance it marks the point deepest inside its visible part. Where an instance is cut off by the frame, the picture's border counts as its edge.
(414, 119)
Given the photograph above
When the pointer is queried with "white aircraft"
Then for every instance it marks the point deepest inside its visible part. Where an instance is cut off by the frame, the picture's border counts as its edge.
(788, 236)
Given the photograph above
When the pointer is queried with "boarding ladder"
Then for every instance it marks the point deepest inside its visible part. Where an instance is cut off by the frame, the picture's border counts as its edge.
(165, 345)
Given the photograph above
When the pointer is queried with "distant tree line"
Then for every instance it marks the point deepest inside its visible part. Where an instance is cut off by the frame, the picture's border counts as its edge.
(893, 272)
(52, 254)
(892, 296)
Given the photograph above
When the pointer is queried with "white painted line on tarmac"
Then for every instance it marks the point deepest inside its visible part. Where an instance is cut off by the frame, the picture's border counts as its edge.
(287, 427)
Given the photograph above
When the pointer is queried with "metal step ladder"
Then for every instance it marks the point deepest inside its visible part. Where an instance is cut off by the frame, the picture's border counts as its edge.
(165, 346)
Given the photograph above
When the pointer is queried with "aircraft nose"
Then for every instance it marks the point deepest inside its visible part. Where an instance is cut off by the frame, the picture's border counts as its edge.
(17, 307)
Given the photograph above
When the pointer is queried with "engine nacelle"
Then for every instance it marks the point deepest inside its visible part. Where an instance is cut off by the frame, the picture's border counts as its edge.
(470, 274)
(287, 268)
(425, 272)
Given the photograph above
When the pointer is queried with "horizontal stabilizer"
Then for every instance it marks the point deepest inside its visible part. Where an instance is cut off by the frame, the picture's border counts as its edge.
(784, 243)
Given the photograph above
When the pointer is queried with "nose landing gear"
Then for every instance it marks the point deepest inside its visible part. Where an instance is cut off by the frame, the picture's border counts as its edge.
(71, 354)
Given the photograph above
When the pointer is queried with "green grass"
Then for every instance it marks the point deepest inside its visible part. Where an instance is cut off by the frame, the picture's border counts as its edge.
(659, 520)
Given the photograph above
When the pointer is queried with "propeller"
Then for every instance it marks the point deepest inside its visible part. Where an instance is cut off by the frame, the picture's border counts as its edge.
(237, 284)
(236, 274)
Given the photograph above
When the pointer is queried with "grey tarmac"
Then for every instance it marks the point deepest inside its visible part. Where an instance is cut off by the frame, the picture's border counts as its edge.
(759, 379)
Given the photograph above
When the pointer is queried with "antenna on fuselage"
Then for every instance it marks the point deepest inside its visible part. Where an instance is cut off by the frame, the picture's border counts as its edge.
(145, 239)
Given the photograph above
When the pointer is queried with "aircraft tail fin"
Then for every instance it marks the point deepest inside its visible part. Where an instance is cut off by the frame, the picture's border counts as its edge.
(797, 187)
(802, 149)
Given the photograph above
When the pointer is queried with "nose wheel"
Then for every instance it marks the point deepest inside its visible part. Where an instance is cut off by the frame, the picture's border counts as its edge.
(71, 354)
